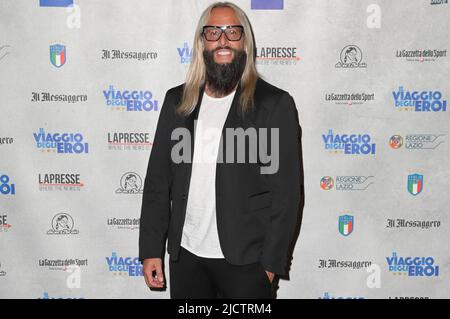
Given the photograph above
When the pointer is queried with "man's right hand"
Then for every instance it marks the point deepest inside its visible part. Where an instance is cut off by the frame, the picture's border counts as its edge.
(151, 265)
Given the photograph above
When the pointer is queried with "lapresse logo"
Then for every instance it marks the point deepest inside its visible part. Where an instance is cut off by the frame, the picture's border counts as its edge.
(277, 56)
(417, 141)
(185, 53)
(4, 225)
(419, 101)
(129, 141)
(346, 183)
(412, 266)
(6, 186)
(61, 143)
(349, 144)
(60, 182)
(129, 100)
(124, 266)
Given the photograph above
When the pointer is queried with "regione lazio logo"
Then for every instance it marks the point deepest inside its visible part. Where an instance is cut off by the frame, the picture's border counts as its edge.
(346, 224)
(58, 55)
(415, 184)
(326, 183)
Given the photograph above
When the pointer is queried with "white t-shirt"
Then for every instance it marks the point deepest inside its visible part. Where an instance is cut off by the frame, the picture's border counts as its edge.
(200, 234)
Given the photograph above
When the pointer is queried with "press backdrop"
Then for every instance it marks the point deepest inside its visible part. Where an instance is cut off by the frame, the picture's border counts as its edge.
(81, 88)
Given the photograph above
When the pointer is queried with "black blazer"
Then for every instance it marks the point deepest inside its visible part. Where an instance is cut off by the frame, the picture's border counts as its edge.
(258, 214)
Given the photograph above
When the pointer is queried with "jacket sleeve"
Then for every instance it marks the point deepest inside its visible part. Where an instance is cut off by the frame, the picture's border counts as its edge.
(286, 186)
(155, 211)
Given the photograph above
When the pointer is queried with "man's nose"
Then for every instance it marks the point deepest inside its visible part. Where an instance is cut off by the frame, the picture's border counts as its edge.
(223, 39)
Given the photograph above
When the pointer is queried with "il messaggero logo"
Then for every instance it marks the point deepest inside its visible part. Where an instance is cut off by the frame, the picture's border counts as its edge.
(346, 183)
(61, 143)
(349, 144)
(6, 140)
(128, 55)
(412, 266)
(42, 97)
(63, 224)
(124, 266)
(419, 101)
(130, 183)
(130, 100)
(6, 187)
(436, 2)
(343, 264)
(417, 141)
(185, 54)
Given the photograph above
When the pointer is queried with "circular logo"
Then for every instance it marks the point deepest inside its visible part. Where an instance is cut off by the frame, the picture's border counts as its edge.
(131, 183)
(351, 54)
(326, 183)
(62, 224)
(396, 141)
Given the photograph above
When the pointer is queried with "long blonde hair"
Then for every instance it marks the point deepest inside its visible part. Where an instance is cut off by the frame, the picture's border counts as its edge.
(196, 75)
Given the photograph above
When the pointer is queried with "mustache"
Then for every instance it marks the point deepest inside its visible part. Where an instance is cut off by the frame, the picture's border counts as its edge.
(224, 48)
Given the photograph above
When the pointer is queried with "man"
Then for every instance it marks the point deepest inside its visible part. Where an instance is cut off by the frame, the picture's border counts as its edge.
(230, 223)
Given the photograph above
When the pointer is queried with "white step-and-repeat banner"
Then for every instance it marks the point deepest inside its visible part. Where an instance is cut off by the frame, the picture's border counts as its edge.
(81, 88)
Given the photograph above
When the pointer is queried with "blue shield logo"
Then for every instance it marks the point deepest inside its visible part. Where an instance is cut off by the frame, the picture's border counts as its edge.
(346, 224)
(58, 55)
(415, 184)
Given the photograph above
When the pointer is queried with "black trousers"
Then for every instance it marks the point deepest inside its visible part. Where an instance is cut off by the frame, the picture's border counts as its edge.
(194, 277)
